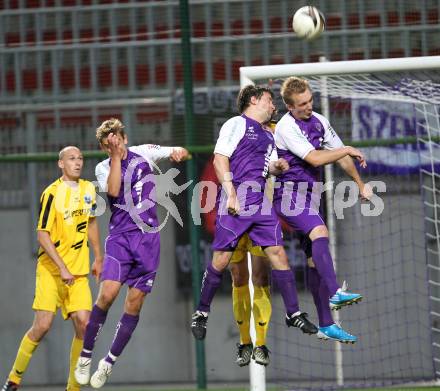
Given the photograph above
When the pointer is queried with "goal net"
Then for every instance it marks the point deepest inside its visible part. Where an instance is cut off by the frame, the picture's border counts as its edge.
(390, 108)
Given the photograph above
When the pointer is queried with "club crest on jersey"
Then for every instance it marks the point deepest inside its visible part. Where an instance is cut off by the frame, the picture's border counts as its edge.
(87, 198)
(318, 127)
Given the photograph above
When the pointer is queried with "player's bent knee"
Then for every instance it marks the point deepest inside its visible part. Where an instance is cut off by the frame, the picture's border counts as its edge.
(320, 231)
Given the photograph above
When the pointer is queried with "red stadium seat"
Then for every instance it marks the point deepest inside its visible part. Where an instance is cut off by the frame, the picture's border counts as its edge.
(219, 70)
(14, 4)
(217, 29)
(376, 53)
(67, 36)
(353, 20)
(29, 79)
(372, 19)
(85, 78)
(413, 17)
(32, 3)
(432, 16)
(2, 4)
(10, 81)
(333, 21)
(47, 79)
(160, 74)
(30, 37)
(393, 18)
(49, 37)
(104, 76)
(277, 59)
(256, 26)
(178, 73)
(68, 3)
(142, 74)
(236, 64)
(142, 33)
(356, 54)
(124, 33)
(434, 52)
(161, 31)
(104, 34)
(123, 78)
(395, 53)
(67, 78)
(276, 24)
(12, 39)
(199, 29)
(257, 61)
(199, 71)
(336, 56)
(86, 35)
(237, 27)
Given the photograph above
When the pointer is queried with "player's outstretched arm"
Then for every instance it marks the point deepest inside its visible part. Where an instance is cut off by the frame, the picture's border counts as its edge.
(224, 176)
(95, 243)
(320, 157)
(179, 154)
(350, 169)
(49, 248)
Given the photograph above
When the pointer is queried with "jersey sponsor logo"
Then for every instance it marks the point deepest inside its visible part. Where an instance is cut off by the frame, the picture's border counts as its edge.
(19, 372)
(267, 160)
(149, 282)
(250, 133)
(75, 213)
(153, 146)
(262, 323)
(331, 130)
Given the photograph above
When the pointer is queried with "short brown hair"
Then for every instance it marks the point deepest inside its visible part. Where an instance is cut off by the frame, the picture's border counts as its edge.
(293, 85)
(112, 125)
(246, 93)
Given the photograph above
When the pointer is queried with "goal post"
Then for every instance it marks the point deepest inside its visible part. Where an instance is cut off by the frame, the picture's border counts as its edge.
(380, 100)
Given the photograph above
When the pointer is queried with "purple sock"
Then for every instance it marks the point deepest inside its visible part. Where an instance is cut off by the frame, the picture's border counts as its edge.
(124, 330)
(324, 264)
(320, 297)
(96, 321)
(211, 281)
(285, 282)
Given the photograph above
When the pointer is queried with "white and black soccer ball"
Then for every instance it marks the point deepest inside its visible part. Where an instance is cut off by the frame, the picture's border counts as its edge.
(308, 22)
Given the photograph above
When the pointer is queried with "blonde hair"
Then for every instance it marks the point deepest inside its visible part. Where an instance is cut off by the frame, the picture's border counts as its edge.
(293, 85)
(112, 125)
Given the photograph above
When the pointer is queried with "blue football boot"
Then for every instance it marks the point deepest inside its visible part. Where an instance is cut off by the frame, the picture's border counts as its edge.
(336, 333)
(342, 298)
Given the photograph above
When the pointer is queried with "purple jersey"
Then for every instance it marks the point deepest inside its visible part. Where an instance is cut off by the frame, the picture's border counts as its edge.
(135, 205)
(249, 148)
(296, 138)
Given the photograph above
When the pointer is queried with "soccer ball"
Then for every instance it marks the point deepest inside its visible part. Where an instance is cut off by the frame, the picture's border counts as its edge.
(308, 22)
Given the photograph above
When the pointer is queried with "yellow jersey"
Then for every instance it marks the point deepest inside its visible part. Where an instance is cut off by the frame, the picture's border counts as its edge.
(64, 213)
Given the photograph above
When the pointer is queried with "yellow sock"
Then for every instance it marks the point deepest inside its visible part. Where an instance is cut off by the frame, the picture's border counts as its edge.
(24, 355)
(75, 350)
(262, 310)
(241, 304)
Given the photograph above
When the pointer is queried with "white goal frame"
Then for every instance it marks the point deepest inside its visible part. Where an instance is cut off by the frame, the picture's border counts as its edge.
(249, 74)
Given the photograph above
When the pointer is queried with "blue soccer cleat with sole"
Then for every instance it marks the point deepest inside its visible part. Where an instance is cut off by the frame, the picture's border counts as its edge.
(336, 333)
(342, 298)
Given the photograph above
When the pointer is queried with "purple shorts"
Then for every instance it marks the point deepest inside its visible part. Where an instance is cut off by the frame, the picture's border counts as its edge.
(300, 210)
(132, 258)
(263, 229)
